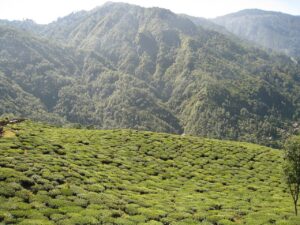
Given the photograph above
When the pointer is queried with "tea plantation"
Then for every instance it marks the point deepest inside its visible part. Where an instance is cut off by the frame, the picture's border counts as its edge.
(67, 176)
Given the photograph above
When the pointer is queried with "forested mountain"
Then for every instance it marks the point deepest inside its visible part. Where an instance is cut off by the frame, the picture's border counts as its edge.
(32, 71)
(209, 24)
(124, 66)
(272, 30)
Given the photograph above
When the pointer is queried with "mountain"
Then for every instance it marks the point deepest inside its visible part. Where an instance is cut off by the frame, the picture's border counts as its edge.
(124, 66)
(24, 25)
(32, 70)
(63, 176)
(272, 30)
(208, 24)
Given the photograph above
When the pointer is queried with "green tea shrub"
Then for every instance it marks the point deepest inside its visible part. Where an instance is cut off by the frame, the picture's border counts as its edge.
(152, 214)
(131, 209)
(137, 219)
(123, 221)
(70, 209)
(36, 222)
(163, 179)
(152, 222)
(95, 188)
(57, 217)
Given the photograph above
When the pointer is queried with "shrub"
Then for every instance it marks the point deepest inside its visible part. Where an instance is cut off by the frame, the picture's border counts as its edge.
(132, 209)
(137, 186)
(70, 209)
(95, 188)
(36, 222)
(56, 217)
(123, 221)
(152, 214)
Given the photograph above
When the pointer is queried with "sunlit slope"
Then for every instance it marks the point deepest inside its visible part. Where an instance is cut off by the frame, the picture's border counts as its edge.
(65, 176)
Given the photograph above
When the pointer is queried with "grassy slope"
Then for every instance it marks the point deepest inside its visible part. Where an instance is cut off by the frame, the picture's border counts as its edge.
(70, 176)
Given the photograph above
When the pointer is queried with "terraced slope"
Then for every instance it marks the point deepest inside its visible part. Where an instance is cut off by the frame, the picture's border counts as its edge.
(66, 176)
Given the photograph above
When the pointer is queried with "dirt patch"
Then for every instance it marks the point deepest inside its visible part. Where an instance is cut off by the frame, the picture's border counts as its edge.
(8, 134)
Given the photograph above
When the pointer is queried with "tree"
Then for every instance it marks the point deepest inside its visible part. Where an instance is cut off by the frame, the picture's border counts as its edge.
(292, 168)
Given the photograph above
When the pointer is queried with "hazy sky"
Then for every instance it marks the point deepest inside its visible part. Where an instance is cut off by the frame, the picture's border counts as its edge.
(45, 11)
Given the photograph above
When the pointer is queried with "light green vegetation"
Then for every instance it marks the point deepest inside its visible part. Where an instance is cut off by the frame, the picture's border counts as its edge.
(66, 176)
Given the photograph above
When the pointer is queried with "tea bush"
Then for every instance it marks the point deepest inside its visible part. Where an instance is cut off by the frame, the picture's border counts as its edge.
(61, 176)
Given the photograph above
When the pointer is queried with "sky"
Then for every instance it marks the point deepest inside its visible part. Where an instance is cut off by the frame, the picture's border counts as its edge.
(46, 11)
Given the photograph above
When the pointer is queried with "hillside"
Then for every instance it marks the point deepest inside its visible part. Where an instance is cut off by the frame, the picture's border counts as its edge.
(52, 175)
(124, 66)
(208, 24)
(32, 71)
(272, 30)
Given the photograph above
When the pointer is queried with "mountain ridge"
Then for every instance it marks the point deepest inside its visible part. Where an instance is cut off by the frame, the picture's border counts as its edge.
(257, 11)
(273, 30)
(150, 69)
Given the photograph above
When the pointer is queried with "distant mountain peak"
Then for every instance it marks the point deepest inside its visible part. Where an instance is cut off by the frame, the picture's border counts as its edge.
(254, 12)
(271, 30)
(116, 4)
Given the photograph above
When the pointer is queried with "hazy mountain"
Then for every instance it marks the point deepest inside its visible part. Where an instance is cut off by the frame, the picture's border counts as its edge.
(25, 25)
(208, 24)
(32, 71)
(126, 66)
(273, 30)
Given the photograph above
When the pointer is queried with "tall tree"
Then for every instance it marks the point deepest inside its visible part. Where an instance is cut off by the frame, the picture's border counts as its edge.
(292, 168)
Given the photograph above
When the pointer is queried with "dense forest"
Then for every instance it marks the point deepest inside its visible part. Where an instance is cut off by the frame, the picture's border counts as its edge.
(124, 66)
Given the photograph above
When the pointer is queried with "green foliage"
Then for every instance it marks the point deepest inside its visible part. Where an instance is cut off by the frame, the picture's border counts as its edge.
(292, 168)
(134, 177)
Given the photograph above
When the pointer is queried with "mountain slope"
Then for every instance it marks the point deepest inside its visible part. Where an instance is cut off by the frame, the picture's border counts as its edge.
(147, 68)
(38, 66)
(208, 24)
(66, 83)
(15, 100)
(272, 30)
(182, 63)
(64, 176)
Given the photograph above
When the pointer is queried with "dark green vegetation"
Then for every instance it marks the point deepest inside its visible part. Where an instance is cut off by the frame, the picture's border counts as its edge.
(123, 66)
(272, 30)
(292, 168)
(65, 176)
